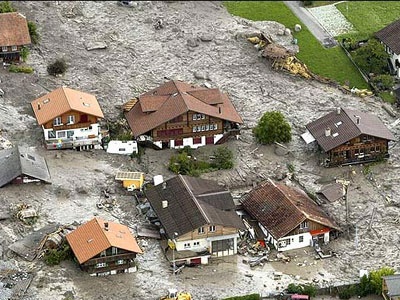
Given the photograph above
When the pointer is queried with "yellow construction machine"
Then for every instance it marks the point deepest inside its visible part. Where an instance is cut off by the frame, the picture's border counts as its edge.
(173, 294)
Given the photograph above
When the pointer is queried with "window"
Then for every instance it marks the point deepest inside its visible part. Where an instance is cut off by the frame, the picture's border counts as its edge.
(207, 127)
(186, 245)
(70, 133)
(212, 228)
(61, 134)
(203, 116)
(14, 48)
(119, 262)
(194, 128)
(121, 149)
(70, 119)
(301, 239)
(51, 134)
(103, 253)
(114, 250)
(203, 127)
(200, 230)
(57, 121)
(304, 225)
(215, 127)
(194, 117)
(4, 48)
(196, 244)
(101, 265)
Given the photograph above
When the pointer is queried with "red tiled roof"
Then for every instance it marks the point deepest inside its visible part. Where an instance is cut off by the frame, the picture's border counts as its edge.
(91, 238)
(14, 30)
(63, 100)
(344, 127)
(280, 208)
(174, 98)
(390, 36)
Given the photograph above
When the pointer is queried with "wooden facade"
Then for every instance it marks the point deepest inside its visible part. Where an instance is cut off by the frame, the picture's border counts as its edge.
(81, 120)
(10, 53)
(310, 226)
(363, 148)
(112, 259)
(207, 232)
(190, 124)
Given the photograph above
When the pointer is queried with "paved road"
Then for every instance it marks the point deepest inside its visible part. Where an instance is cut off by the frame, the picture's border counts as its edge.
(312, 23)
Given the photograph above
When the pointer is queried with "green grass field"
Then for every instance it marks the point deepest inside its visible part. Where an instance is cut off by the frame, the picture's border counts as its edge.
(369, 17)
(332, 63)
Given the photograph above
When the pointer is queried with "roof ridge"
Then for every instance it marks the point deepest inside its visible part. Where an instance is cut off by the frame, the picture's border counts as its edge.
(66, 97)
(101, 229)
(302, 212)
(351, 120)
(194, 199)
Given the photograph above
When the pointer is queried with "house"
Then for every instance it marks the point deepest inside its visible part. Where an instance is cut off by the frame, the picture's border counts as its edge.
(391, 287)
(197, 216)
(103, 248)
(390, 37)
(69, 118)
(14, 35)
(22, 165)
(130, 180)
(288, 218)
(348, 136)
(177, 114)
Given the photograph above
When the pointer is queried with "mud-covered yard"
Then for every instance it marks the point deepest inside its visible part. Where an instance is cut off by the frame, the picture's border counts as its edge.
(199, 43)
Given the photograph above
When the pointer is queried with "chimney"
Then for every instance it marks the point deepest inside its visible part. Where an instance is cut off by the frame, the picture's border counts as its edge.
(106, 226)
(358, 120)
(164, 185)
(327, 131)
(338, 110)
(164, 204)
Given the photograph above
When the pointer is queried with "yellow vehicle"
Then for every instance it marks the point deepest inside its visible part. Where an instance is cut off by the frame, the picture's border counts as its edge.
(173, 294)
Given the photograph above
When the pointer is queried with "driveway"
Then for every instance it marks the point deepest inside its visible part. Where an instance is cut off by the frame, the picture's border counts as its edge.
(312, 23)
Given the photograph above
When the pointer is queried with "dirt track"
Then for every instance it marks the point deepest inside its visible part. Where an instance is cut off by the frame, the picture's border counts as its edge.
(198, 38)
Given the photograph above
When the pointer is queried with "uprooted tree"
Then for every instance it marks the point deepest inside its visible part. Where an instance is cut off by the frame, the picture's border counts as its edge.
(273, 127)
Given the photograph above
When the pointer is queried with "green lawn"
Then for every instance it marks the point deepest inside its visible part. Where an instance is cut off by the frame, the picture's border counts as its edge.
(332, 63)
(369, 17)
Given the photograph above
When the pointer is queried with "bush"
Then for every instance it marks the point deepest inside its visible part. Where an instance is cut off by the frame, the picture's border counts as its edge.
(273, 127)
(5, 7)
(375, 278)
(24, 53)
(57, 67)
(186, 164)
(305, 289)
(20, 69)
(33, 32)
(55, 256)
(348, 292)
(383, 82)
(247, 297)
(294, 288)
(364, 287)
(223, 158)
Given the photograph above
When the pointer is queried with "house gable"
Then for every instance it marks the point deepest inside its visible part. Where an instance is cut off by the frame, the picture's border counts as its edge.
(390, 36)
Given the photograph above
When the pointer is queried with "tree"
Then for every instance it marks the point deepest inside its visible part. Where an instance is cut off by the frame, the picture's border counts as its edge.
(372, 57)
(5, 7)
(223, 158)
(33, 32)
(364, 287)
(375, 278)
(57, 67)
(24, 53)
(273, 127)
(383, 81)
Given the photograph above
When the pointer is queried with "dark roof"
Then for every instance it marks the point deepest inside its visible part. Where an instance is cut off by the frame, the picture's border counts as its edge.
(393, 284)
(280, 208)
(332, 192)
(390, 36)
(174, 98)
(344, 127)
(14, 30)
(17, 161)
(192, 203)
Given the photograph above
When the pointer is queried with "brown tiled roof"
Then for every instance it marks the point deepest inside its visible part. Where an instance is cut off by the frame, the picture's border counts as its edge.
(192, 203)
(91, 238)
(280, 208)
(63, 100)
(174, 98)
(13, 30)
(390, 36)
(344, 127)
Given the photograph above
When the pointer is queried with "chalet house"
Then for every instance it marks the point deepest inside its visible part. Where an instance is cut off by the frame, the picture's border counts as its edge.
(14, 34)
(177, 114)
(390, 37)
(391, 287)
(69, 119)
(288, 218)
(103, 248)
(22, 165)
(349, 136)
(197, 216)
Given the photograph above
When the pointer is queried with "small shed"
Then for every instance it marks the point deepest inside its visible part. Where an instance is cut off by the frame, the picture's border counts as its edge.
(122, 147)
(130, 180)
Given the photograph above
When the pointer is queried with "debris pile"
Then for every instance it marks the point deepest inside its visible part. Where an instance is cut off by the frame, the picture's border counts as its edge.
(25, 213)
